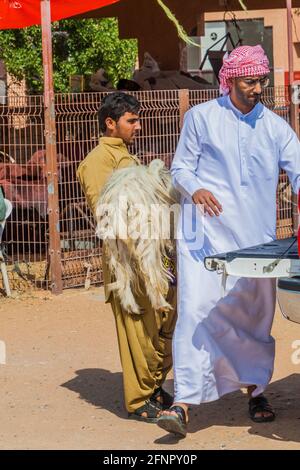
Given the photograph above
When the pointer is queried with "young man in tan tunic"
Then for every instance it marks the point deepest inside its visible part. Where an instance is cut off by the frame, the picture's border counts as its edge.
(145, 341)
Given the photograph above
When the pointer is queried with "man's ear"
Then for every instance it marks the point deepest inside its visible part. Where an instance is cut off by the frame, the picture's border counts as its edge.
(110, 123)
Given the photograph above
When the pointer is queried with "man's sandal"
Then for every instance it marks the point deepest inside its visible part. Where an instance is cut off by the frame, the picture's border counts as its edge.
(151, 410)
(174, 423)
(260, 404)
(162, 398)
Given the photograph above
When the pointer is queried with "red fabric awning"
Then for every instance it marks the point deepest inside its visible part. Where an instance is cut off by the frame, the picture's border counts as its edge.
(22, 13)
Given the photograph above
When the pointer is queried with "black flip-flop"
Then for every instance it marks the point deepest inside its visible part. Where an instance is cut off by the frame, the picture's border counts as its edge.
(260, 404)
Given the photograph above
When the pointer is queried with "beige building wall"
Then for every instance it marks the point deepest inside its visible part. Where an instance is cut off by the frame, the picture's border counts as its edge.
(278, 20)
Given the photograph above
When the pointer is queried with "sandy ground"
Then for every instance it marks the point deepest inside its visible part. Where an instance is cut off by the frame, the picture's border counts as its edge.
(61, 385)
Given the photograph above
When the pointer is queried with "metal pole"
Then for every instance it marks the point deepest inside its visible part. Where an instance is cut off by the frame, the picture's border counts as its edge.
(51, 156)
(183, 104)
(294, 107)
(290, 40)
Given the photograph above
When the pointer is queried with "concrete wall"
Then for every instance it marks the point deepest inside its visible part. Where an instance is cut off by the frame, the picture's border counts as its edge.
(146, 21)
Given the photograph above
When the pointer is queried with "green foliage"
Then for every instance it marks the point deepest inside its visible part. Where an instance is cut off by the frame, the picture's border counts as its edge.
(80, 47)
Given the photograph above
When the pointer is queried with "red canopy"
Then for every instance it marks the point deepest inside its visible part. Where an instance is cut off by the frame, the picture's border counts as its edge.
(22, 13)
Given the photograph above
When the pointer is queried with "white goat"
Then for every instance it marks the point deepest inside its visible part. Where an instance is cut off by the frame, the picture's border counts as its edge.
(135, 222)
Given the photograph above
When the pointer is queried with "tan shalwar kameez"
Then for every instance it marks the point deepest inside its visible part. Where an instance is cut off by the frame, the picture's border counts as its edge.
(145, 340)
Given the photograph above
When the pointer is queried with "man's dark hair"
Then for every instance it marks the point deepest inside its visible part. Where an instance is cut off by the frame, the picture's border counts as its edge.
(116, 105)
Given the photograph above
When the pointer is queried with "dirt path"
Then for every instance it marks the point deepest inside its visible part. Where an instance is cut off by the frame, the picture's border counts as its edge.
(61, 386)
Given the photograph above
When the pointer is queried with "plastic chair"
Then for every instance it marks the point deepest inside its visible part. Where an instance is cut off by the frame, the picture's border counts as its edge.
(2, 261)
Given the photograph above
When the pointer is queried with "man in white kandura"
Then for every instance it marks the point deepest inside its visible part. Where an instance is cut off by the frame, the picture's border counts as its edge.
(228, 160)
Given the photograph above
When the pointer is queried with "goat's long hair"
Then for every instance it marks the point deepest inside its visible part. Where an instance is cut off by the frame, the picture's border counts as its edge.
(137, 226)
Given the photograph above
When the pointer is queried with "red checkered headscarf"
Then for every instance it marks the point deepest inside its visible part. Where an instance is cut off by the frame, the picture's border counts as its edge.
(244, 61)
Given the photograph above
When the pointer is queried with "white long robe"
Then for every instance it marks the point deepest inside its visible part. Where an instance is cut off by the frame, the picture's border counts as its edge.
(222, 344)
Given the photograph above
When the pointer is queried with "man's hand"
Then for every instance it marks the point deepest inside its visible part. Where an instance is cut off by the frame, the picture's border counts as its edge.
(208, 201)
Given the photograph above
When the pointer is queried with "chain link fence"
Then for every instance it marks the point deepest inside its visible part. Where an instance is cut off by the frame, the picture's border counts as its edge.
(24, 180)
